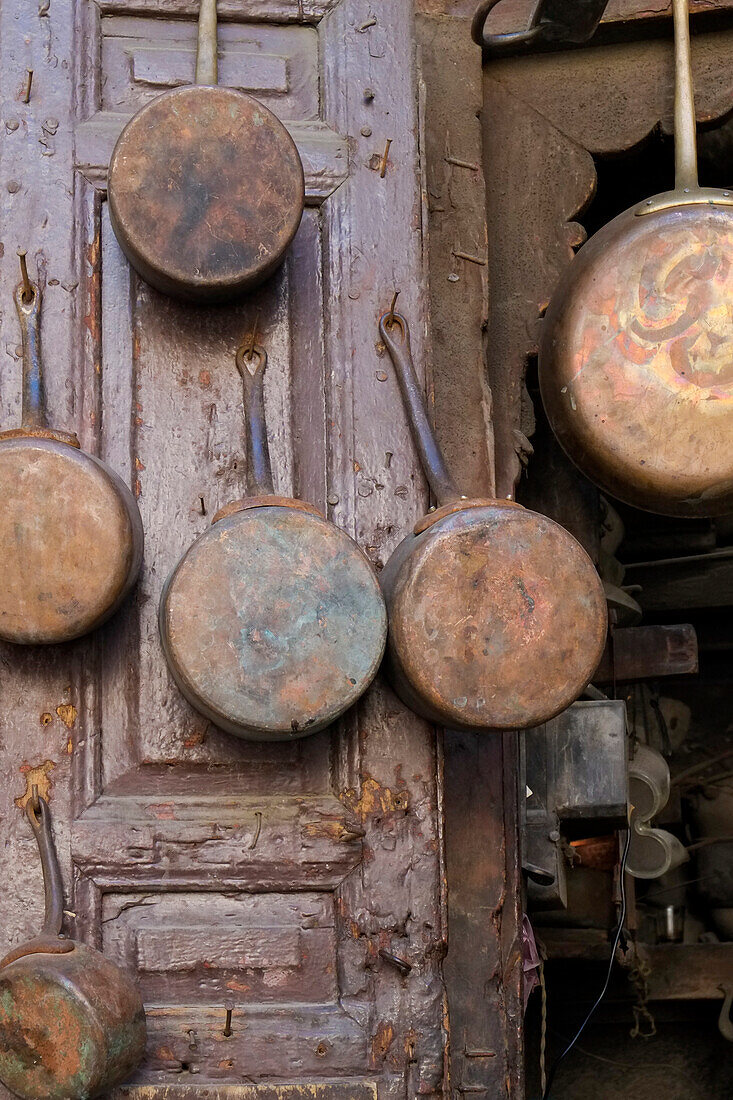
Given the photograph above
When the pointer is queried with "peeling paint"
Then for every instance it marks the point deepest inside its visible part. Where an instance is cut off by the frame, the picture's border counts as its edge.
(67, 712)
(36, 775)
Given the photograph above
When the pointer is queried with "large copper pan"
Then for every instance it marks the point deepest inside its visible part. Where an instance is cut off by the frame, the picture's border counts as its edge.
(636, 356)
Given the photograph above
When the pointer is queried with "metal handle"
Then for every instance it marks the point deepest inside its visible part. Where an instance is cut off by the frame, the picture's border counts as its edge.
(433, 463)
(207, 68)
(251, 365)
(558, 22)
(685, 140)
(52, 882)
(28, 305)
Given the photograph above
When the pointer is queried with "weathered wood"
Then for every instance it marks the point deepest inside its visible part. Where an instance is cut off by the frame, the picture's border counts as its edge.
(705, 580)
(644, 652)
(265, 878)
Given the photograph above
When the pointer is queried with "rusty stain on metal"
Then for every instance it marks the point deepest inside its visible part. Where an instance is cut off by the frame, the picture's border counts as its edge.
(273, 622)
(637, 344)
(497, 615)
(72, 1024)
(46, 718)
(205, 186)
(385, 158)
(71, 537)
(28, 84)
(67, 712)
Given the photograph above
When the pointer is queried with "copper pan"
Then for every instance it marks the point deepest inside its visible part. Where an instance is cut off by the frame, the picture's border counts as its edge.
(636, 355)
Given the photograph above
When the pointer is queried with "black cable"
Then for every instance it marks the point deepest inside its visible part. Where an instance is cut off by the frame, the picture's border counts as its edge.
(602, 994)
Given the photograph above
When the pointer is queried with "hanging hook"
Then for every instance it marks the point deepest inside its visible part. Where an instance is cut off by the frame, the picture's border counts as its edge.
(725, 1024)
(390, 320)
(28, 290)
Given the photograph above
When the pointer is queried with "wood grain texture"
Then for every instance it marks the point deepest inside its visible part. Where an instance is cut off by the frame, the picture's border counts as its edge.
(265, 878)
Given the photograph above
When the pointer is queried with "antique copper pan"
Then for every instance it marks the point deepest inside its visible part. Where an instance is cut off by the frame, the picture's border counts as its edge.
(72, 1024)
(71, 537)
(497, 617)
(636, 355)
(205, 185)
(273, 622)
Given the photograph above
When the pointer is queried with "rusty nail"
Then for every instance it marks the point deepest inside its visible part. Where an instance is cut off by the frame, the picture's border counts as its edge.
(25, 98)
(399, 964)
(365, 26)
(467, 256)
(27, 285)
(462, 163)
(385, 158)
(258, 829)
(228, 1023)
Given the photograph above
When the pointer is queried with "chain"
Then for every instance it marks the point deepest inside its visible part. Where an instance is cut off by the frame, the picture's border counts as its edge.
(644, 1024)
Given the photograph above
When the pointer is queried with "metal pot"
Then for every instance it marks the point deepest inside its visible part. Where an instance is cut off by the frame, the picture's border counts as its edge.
(636, 355)
(72, 1024)
(273, 622)
(497, 617)
(71, 537)
(205, 185)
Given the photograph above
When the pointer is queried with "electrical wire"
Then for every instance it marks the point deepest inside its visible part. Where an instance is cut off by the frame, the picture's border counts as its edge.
(602, 994)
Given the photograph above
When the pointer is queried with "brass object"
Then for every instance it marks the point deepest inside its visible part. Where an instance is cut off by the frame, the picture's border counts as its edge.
(71, 537)
(497, 617)
(205, 185)
(636, 356)
(273, 622)
(72, 1024)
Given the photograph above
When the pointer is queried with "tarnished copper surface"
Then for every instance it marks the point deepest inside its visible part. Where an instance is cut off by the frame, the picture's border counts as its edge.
(71, 1025)
(70, 541)
(636, 360)
(265, 502)
(205, 191)
(497, 618)
(455, 506)
(273, 623)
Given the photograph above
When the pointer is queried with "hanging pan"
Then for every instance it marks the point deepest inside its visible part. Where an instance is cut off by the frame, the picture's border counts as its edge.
(273, 622)
(636, 356)
(205, 185)
(72, 1024)
(497, 617)
(71, 537)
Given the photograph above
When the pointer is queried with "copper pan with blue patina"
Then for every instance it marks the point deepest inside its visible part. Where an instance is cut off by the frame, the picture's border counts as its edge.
(636, 355)
(273, 622)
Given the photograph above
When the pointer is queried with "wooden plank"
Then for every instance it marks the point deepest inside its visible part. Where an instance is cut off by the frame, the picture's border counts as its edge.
(645, 652)
(706, 580)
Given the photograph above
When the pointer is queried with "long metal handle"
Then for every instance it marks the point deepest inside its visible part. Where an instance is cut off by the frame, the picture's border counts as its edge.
(685, 140)
(433, 463)
(28, 306)
(207, 68)
(39, 816)
(251, 367)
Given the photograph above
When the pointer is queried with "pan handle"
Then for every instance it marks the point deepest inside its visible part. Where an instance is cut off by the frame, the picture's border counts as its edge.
(685, 139)
(28, 305)
(433, 463)
(207, 68)
(39, 816)
(252, 366)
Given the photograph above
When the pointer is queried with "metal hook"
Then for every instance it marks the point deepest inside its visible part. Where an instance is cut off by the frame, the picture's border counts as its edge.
(28, 288)
(391, 315)
(725, 1024)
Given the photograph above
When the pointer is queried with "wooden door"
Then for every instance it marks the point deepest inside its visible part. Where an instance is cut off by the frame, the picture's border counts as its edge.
(262, 880)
